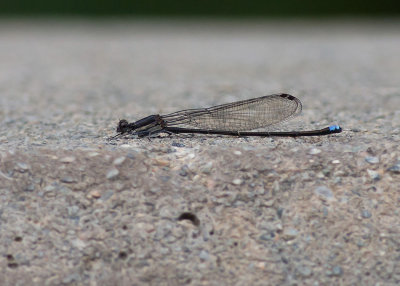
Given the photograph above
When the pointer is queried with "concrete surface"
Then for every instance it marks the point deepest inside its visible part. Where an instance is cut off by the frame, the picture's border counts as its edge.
(80, 209)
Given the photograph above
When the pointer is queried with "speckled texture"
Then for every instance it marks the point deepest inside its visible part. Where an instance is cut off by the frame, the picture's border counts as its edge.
(78, 208)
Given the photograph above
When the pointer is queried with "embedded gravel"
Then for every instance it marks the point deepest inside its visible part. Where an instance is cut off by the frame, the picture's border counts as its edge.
(79, 207)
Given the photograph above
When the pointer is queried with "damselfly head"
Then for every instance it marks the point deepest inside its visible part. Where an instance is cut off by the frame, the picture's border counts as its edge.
(123, 126)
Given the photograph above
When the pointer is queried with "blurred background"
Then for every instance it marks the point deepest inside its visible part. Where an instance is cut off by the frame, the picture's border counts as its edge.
(222, 8)
(115, 59)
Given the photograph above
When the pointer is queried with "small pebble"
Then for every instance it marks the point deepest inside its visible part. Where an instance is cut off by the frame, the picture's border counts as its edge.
(49, 188)
(107, 195)
(206, 169)
(177, 144)
(261, 265)
(289, 234)
(237, 181)
(267, 236)
(324, 192)
(337, 180)
(184, 171)
(93, 154)
(237, 152)
(373, 174)
(326, 172)
(372, 160)
(360, 243)
(73, 211)
(71, 278)
(395, 169)
(161, 162)
(95, 194)
(204, 255)
(118, 161)
(29, 188)
(304, 271)
(126, 146)
(68, 180)
(155, 190)
(335, 162)
(314, 151)
(130, 156)
(337, 271)
(366, 214)
(22, 167)
(67, 159)
(111, 174)
(78, 243)
(325, 211)
(165, 179)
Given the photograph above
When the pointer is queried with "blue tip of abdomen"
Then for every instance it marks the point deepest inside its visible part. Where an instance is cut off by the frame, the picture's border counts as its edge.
(335, 128)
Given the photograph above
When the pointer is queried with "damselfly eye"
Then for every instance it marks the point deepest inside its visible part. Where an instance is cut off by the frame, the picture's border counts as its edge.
(122, 126)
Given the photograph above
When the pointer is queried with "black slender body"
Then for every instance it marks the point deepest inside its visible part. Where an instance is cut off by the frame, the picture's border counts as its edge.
(234, 119)
(325, 131)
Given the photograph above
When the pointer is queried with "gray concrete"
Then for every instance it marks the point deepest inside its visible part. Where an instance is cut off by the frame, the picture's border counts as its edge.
(80, 209)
